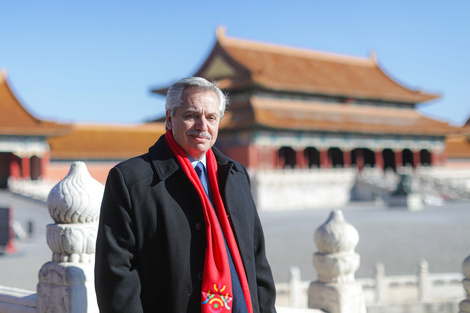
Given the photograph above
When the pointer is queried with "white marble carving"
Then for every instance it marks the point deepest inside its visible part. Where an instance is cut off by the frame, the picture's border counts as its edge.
(336, 290)
(302, 188)
(77, 198)
(66, 284)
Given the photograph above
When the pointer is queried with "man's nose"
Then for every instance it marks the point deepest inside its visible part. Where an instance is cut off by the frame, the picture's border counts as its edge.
(201, 123)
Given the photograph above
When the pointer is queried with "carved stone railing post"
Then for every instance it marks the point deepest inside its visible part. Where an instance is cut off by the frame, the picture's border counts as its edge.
(465, 304)
(336, 290)
(294, 288)
(380, 284)
(424, 283)
(66, 284)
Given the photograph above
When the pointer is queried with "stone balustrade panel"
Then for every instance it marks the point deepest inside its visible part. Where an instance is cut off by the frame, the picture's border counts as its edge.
(302, 189)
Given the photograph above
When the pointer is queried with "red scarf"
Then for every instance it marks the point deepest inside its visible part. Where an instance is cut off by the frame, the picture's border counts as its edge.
(216, 281)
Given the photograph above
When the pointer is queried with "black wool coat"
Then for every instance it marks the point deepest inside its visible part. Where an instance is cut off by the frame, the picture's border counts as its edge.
(151, 239)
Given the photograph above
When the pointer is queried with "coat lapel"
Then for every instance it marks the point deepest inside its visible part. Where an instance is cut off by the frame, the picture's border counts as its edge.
(232, 190)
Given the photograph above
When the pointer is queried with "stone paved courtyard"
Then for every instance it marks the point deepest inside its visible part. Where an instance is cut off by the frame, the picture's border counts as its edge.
(396, 237)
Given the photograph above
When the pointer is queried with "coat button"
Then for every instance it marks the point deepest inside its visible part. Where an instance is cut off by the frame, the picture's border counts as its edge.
(198, 226)
(199, 275)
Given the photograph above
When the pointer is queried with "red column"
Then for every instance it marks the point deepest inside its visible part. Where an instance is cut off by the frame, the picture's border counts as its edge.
(398, 158)
(250, 156)
(324, 160)
(267, 157)
(443, 157)
(274, 154)
(347, 158)
(25, 168)
(416, 158)
(436, 158)
(44, 165)
(279, 160)
(379, 159)
(300, 158)
(15, 170)
(260, 157)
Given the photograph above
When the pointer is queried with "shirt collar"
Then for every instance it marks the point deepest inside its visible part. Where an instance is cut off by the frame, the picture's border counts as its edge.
(194, 162)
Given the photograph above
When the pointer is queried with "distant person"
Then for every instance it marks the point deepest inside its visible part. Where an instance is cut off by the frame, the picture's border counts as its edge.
(179, 231)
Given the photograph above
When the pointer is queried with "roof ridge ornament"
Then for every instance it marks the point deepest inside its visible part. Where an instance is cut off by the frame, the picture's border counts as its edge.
(3, 74)
(373, 56)
(221, 31)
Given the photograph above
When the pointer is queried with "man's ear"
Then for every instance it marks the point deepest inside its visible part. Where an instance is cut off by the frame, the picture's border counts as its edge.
(168, 119)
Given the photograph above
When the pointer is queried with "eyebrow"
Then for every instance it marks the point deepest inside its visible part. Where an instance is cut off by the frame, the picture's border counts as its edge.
(190, 110)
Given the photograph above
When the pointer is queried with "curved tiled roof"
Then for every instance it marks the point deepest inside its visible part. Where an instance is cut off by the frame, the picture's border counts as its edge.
(306, 71)
(237, 64)
(16, 120)
(320, 116)
(105, 141)
(458, 145)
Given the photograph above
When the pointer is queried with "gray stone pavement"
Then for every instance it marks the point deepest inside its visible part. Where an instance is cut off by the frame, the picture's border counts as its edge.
(396, 237)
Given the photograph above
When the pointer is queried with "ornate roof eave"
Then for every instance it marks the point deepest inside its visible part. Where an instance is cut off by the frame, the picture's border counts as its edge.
(260, 126)
(34, 126)
(225, 81)
(268, 82)
(420, 97)
(417, 97)
(290, 115)
(52, 130)
(365, 129)
(242, 73)
(246, 75)
(11, 94)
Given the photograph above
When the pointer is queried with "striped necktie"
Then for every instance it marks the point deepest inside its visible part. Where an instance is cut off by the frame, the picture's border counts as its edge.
(202, 177)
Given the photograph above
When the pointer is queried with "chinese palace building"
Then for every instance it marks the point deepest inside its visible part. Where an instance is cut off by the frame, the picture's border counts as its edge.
(32, 149)
(303, 122)
(294, 108)
(24, 150)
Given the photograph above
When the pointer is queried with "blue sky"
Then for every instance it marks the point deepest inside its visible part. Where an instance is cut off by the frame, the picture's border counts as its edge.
(96, 61)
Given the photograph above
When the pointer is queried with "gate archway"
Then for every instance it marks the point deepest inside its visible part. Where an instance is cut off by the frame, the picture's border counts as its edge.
(336, 157)
(407, 157)
(287, 157)
(313, 157)
(389, 159)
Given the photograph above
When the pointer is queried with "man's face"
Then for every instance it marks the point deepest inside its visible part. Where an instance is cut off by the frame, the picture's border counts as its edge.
(195, 123)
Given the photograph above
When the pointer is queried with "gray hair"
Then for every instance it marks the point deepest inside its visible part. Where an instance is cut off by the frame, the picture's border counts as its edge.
(174, 97)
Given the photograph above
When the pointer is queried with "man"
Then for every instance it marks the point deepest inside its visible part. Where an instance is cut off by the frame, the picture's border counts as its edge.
(179, 231)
